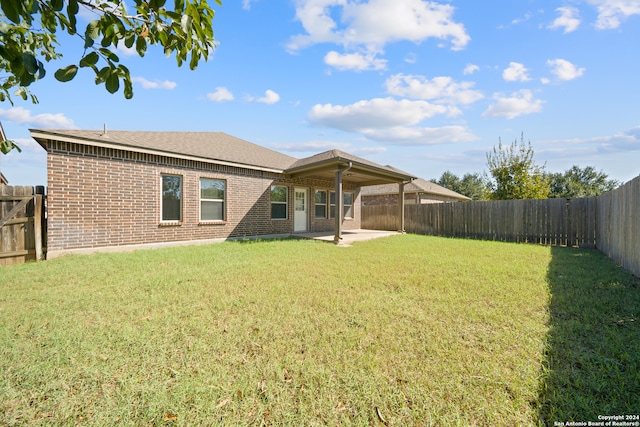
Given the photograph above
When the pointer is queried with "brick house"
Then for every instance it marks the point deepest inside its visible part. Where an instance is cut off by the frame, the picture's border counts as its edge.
(418, 191)
(124, 189)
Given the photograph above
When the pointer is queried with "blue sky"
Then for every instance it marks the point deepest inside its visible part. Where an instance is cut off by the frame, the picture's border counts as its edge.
(425, 86)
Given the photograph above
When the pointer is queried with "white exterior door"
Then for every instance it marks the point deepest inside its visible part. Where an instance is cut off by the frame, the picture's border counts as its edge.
(301, 209)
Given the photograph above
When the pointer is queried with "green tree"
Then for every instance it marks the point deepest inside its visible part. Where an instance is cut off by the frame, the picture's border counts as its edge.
(473, 185)
(28, 38)
(450, 181)
(515, 174)
(580, 182)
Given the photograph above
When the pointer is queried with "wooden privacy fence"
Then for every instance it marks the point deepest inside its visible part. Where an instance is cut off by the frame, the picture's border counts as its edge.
(22, 224)
(618, 225)
(609, 222)
(547, 221)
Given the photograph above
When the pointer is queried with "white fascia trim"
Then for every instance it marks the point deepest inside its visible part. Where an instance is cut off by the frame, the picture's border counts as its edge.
(95, 143)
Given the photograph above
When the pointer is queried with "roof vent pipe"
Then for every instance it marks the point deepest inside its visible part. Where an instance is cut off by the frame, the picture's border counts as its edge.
(104, 132)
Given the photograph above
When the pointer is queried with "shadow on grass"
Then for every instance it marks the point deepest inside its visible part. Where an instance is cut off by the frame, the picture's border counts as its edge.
(592, 358)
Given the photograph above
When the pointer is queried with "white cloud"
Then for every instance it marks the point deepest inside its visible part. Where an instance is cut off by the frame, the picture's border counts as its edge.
(411, 58)
(441, 89)
(378, 113)
(320, 146)
(390, 120)
(612, 12)
(519, 103)
(470, 69)
(20, 115)
(156, 84)
(270, 97)
(516, 72)
(354, 61)
(564, 70)
(246, 4)
(375, 23)
(221, 94)
(417, 136)
(313, 146)
(569, 19)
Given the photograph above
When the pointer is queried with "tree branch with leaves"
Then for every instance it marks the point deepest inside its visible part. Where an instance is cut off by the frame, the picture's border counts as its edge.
(28, 38)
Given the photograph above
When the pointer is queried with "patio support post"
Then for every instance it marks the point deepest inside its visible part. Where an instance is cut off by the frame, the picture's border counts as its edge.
(338, 213)
(401, 201)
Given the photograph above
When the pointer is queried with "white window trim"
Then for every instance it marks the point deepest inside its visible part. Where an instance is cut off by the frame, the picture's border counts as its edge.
(344, 205)
(353, 196)
(223, 201)
(325, 204)
(286, 203)
(171, 221)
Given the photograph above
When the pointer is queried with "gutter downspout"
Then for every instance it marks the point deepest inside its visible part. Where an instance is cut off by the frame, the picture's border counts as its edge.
(339, 214)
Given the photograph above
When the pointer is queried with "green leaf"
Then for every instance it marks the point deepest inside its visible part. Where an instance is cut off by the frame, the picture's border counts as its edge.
(41, 71)
(21, 92)
(101, 76)
(67, 73)
(72, 11)
(130, 40)
(109, 54)
(11, 10)
(128, 89)
(91, 33)
(30, 63)
(57, 5)
(89, 60)
(185, 22)
(93, 29)
(113, 83)
(141, 45)
(8, 145)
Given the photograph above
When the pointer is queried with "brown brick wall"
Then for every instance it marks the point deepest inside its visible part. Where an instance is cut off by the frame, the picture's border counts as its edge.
(101, 197)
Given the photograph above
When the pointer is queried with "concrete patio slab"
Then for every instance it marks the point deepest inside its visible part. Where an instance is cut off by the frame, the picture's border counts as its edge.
(348, 236)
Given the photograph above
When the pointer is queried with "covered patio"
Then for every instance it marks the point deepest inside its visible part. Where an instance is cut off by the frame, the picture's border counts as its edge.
(345, 168)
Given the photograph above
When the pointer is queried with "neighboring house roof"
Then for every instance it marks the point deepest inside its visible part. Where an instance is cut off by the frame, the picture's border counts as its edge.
(3, 179)
(212, 146)
(416, 186)
(219, 147)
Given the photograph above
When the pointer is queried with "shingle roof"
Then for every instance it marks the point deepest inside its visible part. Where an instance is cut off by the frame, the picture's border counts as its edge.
(220, 147)
(416, 186)
(207, 145)
(331, 155)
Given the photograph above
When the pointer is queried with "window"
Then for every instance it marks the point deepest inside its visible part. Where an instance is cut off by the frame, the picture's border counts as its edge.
(279, 202)
(212, 196)
(347, 204)
(171, 198)
(321, 204)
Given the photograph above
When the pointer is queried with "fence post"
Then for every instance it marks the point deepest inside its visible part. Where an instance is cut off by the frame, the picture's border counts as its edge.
(37, 224)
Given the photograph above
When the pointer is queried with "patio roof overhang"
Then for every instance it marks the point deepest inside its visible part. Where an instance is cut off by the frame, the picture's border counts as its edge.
(355, 171)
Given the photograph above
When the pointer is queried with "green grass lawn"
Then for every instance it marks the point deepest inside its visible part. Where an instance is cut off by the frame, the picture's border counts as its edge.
(404, 330)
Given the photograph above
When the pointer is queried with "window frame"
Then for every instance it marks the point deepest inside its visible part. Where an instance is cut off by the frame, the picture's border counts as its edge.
(223, 201)
(324, 205)
(285, 203)
(345, 205)
(332, 206)
(180, 199)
